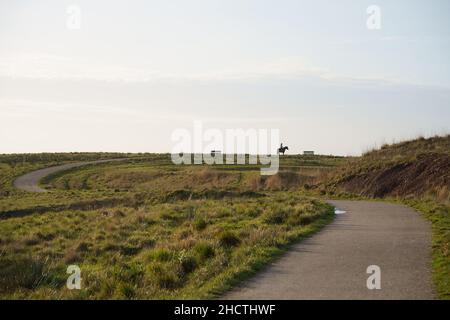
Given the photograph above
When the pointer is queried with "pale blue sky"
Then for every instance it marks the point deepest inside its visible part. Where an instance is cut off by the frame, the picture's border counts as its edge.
(137, 70)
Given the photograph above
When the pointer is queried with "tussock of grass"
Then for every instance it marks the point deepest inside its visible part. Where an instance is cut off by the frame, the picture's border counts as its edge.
(204, 251)
(228, 239)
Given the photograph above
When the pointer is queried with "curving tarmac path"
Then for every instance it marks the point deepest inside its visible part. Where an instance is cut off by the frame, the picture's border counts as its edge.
(30, 181)
(332, 264)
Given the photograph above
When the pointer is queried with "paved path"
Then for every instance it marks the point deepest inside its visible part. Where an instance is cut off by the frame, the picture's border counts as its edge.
(30, 181)
(332, 264)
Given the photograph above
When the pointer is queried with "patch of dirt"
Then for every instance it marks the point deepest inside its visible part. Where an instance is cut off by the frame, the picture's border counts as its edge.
(430, 172)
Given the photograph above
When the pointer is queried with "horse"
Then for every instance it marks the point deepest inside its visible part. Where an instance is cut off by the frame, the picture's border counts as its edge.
(282, 149)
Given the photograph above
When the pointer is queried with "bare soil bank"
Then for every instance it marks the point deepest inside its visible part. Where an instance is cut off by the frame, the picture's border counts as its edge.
(429, 172)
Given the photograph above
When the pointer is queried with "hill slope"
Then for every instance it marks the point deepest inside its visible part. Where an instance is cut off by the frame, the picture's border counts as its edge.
(412, 169)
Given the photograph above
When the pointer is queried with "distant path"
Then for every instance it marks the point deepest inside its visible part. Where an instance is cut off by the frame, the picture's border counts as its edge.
(332, 264)
(30, 181)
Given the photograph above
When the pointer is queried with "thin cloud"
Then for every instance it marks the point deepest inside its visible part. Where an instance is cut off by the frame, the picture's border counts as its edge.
(53, 67)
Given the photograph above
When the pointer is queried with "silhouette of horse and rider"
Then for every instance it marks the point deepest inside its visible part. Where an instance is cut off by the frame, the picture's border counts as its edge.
(282, 149)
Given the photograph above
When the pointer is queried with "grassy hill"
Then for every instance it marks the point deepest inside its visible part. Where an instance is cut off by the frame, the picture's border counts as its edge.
(146, 228)
(413, 169)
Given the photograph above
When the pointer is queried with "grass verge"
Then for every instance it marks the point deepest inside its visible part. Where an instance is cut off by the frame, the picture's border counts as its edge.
(264, 257)
(439, 215)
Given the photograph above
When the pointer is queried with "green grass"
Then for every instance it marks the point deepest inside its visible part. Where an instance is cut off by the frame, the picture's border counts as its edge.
(439, 215)
(158, 250)
(147, 229)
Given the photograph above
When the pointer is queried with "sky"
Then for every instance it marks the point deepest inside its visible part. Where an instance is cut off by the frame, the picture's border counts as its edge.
(101, 75)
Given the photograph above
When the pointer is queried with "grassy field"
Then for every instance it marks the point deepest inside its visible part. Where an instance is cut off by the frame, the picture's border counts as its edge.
(145, 228)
